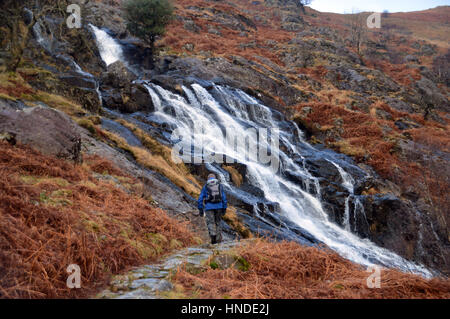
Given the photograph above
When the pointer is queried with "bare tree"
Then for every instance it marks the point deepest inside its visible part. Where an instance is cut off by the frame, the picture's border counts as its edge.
(358, 26)
(441, 67)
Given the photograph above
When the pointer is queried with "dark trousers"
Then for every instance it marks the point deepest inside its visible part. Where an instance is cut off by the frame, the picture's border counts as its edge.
(213, 220)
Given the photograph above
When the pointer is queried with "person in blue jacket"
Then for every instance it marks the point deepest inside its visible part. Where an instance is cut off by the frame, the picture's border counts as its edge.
(213, 203)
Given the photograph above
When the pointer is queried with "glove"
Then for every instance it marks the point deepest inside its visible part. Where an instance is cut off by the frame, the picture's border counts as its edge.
(201, 212)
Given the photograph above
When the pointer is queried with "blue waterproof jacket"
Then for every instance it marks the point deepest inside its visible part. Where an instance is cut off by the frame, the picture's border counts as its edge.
(211, 206)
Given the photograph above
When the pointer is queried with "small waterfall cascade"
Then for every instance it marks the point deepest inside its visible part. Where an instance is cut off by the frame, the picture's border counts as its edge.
(349, 184)
(110, 49)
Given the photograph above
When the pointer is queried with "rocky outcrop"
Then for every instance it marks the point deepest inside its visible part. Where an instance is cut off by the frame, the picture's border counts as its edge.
(120, 92)
(251, 77)
(47, 130)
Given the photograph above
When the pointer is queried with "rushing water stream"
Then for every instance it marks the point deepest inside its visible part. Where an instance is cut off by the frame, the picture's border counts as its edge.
(200, 115)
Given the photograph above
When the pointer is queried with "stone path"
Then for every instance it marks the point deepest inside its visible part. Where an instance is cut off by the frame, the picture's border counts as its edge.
(149, 281)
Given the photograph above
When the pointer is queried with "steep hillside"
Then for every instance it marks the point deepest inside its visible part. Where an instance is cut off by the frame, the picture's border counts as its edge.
(364, 144)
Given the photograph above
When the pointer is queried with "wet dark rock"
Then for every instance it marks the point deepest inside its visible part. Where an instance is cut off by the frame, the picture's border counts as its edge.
(117, 76)
(121, 93)
(137, 53)
(404, 124)
(103, 15)
(391, 224)
(79, 81)
(399, 105)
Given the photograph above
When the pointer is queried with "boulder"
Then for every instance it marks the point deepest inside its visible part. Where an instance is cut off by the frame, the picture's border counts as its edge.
(431, 95)
(47, 130)
(117, 76)
(132, 98)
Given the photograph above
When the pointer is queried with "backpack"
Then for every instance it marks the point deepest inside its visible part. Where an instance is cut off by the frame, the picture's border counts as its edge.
(214, 191)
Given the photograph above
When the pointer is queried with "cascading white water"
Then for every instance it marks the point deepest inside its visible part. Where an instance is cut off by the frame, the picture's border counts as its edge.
(299, 206)
(347, 180)
(110, 50)
(237, 111)
(349, 183)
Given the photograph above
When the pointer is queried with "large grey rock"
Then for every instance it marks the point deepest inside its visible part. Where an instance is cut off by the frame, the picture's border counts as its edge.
(431, 95)
(47, 130)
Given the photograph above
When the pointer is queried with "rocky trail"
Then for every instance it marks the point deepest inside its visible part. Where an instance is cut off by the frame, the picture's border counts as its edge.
(154, 281)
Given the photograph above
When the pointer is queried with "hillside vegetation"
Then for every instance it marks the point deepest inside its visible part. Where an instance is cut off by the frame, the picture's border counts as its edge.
(55, 213)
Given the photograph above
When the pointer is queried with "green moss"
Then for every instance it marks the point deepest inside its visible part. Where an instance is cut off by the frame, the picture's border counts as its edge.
(43, 198)
(177, 293)
(214, 265)
(194, 269)
(242, 264)
(60, 103)
(197, 240)
(60, 198)
(145, 251)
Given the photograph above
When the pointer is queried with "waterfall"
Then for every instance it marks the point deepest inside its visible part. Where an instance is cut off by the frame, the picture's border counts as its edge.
(200, 116)
(224, 107)
(349, 183)
(110, 50)
(80, 71)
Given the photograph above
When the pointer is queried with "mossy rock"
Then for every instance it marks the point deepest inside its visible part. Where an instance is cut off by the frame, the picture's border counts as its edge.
(225, 261)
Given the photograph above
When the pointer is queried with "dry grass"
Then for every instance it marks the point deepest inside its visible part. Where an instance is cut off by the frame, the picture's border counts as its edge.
(236, 177)
(13, 86)
(156, 157)
(288, 270)
(54, 213)
(233, 220)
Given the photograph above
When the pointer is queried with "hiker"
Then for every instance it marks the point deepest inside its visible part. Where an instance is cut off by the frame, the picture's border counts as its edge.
(213, 203)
